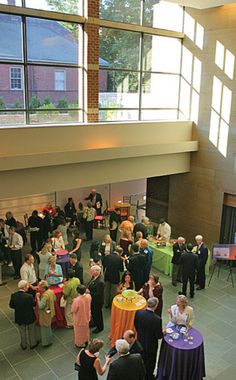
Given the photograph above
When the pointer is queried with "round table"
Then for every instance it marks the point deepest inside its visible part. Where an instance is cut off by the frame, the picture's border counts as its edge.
(182, 358)
(122, 315)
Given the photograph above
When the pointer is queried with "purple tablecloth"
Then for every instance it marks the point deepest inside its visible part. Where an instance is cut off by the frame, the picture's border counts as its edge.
(63, 261)
(180, 360)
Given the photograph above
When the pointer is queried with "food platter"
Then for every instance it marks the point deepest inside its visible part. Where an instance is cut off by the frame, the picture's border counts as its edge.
(129, 294)
(53, 280)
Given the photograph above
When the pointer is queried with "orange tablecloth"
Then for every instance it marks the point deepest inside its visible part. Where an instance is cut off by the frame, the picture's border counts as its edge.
(122, 316)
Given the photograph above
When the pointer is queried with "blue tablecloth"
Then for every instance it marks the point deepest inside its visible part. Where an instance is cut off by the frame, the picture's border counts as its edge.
(178, 359)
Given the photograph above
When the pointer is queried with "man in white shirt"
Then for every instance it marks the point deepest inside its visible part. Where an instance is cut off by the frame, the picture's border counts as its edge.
(15, 244)
(27, 273)
(164, 231)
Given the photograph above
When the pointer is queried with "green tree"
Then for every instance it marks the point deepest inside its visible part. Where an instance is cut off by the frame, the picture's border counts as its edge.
(17, 104)
(62, 103)
(47, 100)
(34, 102)
(66, 6)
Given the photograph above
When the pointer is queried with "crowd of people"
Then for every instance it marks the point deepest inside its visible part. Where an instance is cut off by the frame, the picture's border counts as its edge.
(115, 266)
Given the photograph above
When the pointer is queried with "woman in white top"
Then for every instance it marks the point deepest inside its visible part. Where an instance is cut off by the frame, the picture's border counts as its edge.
(57, 240)
(63, 227)
(181, 313)
(44, 255)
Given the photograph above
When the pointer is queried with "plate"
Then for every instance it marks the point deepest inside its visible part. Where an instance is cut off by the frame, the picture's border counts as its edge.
(169, 330)
(53, 280)
(174, 335)
(129, 294)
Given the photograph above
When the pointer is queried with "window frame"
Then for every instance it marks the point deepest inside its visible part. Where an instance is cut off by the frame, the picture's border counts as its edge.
(11, 78)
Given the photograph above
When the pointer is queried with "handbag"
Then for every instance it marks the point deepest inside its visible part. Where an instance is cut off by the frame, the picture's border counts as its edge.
(63, 302)
(77, 367)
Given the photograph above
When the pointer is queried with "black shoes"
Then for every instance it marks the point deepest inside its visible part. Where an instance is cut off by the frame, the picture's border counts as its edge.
(36, 345)
(22, 347)
(198, 288)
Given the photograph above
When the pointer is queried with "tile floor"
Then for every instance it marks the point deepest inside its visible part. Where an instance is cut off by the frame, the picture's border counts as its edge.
(215, 311)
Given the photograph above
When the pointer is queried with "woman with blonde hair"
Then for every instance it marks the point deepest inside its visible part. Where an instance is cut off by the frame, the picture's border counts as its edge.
(57, 240)
(44, 255)
(89, 362)
(52, 268)
(45, 300)
(181, 313)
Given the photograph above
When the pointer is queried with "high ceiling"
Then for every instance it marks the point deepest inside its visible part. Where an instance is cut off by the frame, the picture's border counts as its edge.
(202, 4)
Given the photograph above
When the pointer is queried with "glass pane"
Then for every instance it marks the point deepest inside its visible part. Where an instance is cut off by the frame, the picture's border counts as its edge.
(52, 41)
(63, 6)
(17, 3)
(11, 86)
(118, 89)
(11, 44)
(163, 15)
(48, 116)
(118, 115)
(53, 87)
(160, 90)
(121, 10)
(159, 115)
(161, 54)
(185, 92)
(12, 118)
(119, 49)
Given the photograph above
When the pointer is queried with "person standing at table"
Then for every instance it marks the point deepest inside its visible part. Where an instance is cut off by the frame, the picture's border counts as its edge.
(142, 227)
(44, 255)
(27, 273)
(23, 303)
(181, 313)
(52, 268)
(15, 244)
(136, 264)
(135, 346)
(96, 201)
(127, 225)
(189, 263)
(70, 293)
(202, 253)
(81, 311)
(96, 288)
(164, 231)
(128, 366)
(35, 227)
(178, 248)
(149, 328)
(89, 216)
(113, 266)
(57, 240)
(153, 288)
(147, 252)
(45, 300)
(75, 265)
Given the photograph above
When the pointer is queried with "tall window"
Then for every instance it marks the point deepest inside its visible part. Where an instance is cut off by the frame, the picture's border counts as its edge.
(60, 80)
(16, 78)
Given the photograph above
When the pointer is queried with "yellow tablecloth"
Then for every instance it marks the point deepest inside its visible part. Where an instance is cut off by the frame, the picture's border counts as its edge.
(122, 315)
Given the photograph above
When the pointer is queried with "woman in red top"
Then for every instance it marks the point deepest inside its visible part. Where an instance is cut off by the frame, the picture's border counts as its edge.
(153, 288)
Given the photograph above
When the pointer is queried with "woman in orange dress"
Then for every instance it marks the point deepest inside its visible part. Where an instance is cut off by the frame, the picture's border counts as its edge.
(81, 310)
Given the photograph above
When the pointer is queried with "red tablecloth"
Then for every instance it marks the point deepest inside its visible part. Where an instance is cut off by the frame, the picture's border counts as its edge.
(59, 318)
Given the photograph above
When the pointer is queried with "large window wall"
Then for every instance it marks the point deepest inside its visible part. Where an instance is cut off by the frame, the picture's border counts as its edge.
(140, 76)
(41, 68)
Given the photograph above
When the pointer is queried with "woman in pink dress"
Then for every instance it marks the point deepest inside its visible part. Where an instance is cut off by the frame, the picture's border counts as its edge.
(81, 310)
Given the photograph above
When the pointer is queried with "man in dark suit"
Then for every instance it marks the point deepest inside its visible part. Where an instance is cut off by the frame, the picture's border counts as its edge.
(113, 265)
(23, 303)
(136, 265)
(135, 346)
(178, 248)
(75, 265)
(96, 288)
(70, 211)
(202, 253)
(35, 224)
(142, 227)
(149, 328)
(147, 252)
(189, 262)
(128, 366)
(96, 200)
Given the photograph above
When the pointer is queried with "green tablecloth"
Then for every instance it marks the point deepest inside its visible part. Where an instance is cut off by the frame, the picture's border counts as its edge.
(162, 257)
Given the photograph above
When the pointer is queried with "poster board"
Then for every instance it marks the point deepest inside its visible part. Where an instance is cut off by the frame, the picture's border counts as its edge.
(224, 252)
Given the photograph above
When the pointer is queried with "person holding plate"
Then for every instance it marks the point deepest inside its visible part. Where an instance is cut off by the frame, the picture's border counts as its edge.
(52, 268)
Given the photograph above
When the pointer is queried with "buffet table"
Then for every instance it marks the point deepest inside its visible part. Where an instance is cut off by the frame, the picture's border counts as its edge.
(162, 257)
(122, 315)
(182, 358)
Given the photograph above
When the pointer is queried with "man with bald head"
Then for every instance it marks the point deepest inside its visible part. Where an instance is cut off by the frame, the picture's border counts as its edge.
(147, 252)
(135, 346)
(96, 288)
(96, 200)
